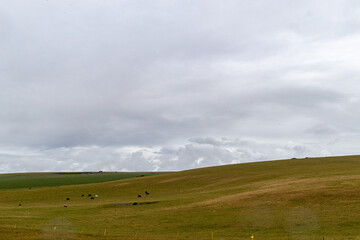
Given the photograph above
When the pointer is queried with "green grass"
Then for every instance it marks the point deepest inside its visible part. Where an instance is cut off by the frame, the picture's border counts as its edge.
(31, 180)
(292, 199)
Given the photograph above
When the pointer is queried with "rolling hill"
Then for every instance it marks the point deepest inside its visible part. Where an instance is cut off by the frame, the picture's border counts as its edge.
(31, 180)
(312, 198)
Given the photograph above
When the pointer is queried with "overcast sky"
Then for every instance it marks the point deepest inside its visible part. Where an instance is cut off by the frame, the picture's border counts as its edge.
(130, 85)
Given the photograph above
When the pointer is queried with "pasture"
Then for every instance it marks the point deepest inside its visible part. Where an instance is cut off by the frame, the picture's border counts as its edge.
(31, 180)
(315, 198)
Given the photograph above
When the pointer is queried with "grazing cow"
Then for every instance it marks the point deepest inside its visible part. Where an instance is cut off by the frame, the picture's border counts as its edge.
(89, 195)
(82, 195)
(96, 195)
(65, 206)
(67, 198)
(92, 198)
(147, 193)
(19, 204)
(139, 195)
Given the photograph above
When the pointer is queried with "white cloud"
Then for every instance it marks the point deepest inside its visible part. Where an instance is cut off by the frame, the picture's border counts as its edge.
(198, 152)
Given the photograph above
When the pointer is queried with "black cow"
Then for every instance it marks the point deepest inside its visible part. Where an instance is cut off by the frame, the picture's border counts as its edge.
(139, 195)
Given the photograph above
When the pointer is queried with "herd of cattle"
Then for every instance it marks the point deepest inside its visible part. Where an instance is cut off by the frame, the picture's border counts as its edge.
(82, 195)
(146, 192)
(93, 197)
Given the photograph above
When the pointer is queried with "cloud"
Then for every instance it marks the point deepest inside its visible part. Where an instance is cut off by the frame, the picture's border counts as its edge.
(171, 78)
(198, 152)
(321, 130)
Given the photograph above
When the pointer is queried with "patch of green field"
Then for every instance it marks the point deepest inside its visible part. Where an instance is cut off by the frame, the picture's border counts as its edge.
(31, 180)
(292, 199)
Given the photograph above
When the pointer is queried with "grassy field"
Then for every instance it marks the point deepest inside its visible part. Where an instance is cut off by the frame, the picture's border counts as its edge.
(290, 199)
(31, 180)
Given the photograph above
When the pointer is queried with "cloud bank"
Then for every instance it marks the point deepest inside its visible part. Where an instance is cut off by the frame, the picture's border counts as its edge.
(198, 152)
(172, 85)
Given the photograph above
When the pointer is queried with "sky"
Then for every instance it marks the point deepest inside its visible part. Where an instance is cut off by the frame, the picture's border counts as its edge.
(167, 85)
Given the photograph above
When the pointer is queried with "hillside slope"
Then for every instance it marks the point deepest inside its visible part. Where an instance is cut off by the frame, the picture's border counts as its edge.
(288, 199)
(31, 180)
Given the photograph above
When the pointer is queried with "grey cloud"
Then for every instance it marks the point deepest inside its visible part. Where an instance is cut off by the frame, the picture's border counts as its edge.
(153, 74)
(321, 129)
(206, 140)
